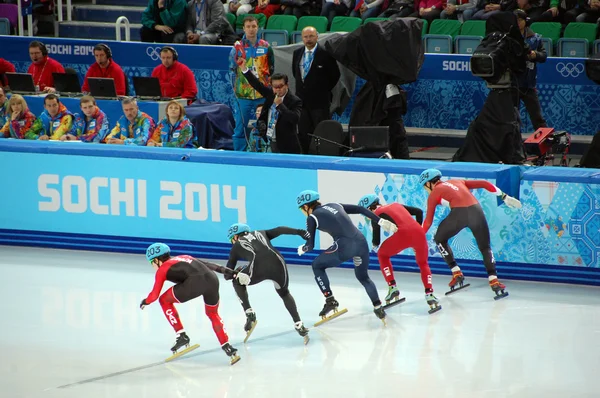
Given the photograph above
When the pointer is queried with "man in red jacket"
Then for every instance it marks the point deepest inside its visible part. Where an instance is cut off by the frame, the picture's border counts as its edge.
(43, 67)
(105, 67)
(5, 66)
(176, 79)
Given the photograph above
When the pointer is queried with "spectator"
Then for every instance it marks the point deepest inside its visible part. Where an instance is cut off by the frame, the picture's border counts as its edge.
(298, 8)
(430, 9)
(43, 67)
(257, 141)
(176, 79)
(528, 79)
(403, 8)
(591, 12)
(5, 67)
(55, 121)
(462, 10)
(563, 11)
(175, 130)
(259, 58)
(334, 8)
(280, 114)
(487, 8)
(267, 7)
(4, 109)
(367, 9)
(206, 22)
(92, 125)
(133, 128)
(105, 67)
(21, 121)
(241, 7)
(316, 73)
(164, 21)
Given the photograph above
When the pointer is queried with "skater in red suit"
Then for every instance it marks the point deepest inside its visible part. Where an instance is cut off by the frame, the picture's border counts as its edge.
(465, 212)
(192, 278)
(409, 234)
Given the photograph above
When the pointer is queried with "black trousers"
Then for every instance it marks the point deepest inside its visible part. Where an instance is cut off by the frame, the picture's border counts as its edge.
(471, 217)
(206, 285)
(154, 36)
(309, 119)
(274, 269)
(530, 98)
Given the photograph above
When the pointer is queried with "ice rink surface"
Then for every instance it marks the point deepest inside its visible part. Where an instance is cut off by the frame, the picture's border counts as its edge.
(71, 327)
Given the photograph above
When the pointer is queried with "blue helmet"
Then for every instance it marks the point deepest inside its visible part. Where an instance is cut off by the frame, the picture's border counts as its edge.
(368, 200)
(429, 175)
(306, 197)
(156, 250)
(236, 229)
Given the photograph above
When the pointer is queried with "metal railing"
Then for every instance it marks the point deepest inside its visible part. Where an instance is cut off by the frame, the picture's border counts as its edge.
(29, 21)
(125, 21)
(60, 11)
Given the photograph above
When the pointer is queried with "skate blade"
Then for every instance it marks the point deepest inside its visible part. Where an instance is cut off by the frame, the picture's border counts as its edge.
(235, 359)
(306, 339)
(182, 352)
(330, 317)
(456, 289)
(435, 309)
(250, 332)
(384, 321)
(500, 295)
(395, 302)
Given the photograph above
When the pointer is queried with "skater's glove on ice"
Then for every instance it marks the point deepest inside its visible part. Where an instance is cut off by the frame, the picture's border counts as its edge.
(388, 226)
(243, 279)
(301, 250)
(511, 202)
(143, 304)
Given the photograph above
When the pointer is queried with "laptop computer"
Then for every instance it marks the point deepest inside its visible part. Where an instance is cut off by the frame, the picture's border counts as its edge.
(67, 84)
(21, 83)
(102, 87)
(148, 88)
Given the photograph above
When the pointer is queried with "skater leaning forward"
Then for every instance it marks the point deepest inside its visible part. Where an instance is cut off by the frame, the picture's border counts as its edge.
(192, 278)
(348, 243)
(409, 235)
(264, 263)
(465, 212)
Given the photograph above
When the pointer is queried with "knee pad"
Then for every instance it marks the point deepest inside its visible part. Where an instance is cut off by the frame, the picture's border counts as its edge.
(167, 298)
(283, 292)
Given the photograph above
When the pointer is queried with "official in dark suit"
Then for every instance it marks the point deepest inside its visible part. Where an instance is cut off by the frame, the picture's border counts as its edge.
(316, 74)
(278, 121)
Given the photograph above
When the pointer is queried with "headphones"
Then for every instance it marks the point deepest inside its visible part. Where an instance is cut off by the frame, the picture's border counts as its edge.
(41, 46)
(105, 48)
(172, 50)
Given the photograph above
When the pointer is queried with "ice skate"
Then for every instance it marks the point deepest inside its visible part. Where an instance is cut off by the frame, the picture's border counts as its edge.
(330, 305)
(393, 297)
(433, 303)
(302, 331)
(251, 323)
(182, 341)
(457, 283)
(498, 288)
(231, 353)
(380, 312)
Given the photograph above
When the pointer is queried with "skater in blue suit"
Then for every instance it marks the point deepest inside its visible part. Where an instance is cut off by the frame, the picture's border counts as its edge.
(348, 243)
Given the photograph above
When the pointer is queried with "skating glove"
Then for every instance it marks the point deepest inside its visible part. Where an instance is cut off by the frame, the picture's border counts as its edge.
(243, 279)
(143, 304)
(387, 226)
(511, 202)
(301, 250)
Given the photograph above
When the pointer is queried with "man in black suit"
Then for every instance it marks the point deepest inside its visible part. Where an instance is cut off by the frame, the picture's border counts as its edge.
(316, 74)
(278, 121)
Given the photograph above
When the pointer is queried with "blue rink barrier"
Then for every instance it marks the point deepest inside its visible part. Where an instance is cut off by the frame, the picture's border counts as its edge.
(445, 88)
(102, 198)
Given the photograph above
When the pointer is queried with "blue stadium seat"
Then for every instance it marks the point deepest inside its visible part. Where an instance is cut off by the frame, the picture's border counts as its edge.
(441, 44)
(597, 47)
(275, 37)
(4, 26)
(575, 48)
(547, 42)
(296, 37)
(466, 44)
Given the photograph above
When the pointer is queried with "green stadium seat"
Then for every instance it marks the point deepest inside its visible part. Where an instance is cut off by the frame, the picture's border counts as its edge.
(473, 28)
(319, 23)
(374, 20)
(550, 30)
(283, 22)
(448, 27)
(345, 24)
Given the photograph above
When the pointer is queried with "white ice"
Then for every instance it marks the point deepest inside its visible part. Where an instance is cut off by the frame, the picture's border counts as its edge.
(71, 327)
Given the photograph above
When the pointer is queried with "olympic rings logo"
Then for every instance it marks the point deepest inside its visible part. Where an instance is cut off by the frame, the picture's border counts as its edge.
(153, 53)
(569, 69)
